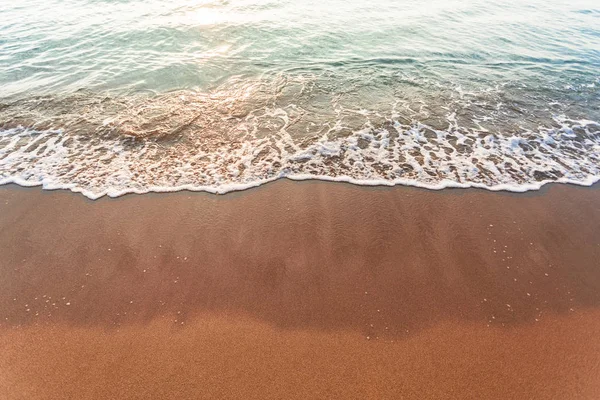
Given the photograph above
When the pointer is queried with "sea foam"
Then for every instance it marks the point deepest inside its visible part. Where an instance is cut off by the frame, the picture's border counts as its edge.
(392, 154)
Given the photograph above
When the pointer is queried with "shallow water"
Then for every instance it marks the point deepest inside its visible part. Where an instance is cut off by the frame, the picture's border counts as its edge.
(109, 97)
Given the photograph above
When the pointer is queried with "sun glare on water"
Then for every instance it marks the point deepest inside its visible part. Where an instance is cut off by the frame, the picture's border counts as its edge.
(208, 13)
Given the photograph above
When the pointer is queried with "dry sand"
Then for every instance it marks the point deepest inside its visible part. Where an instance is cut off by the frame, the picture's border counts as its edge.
(301, 290)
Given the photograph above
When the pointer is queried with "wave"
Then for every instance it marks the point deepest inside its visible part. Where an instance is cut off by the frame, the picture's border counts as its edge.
(298, 127)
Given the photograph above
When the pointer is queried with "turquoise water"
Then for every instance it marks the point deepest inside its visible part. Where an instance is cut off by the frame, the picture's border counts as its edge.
(108, 97)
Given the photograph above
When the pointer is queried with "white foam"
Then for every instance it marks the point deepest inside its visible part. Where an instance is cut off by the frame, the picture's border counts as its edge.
(393, 155)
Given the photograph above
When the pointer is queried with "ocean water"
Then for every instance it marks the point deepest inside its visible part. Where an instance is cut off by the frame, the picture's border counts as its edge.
(116, 96)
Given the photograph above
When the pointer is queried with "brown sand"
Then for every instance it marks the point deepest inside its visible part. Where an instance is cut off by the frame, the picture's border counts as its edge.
(301, 290)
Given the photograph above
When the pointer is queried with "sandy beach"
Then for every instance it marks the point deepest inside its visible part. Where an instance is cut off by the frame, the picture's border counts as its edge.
(301, 290)
(263, 199)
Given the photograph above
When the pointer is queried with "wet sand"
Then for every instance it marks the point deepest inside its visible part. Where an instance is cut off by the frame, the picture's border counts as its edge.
(301, 290)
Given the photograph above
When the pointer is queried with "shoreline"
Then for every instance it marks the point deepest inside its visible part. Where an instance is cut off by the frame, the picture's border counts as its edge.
(300, 289)
(233, 188)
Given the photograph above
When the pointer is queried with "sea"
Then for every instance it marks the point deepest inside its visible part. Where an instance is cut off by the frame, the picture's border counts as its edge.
(107, 97)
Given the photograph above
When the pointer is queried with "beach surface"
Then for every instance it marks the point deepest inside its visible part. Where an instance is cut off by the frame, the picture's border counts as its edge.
(301, 290)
